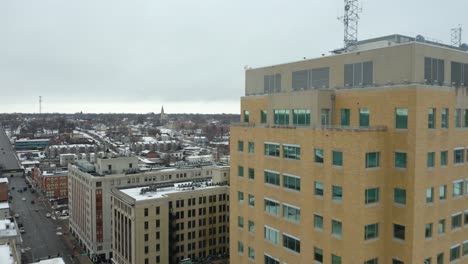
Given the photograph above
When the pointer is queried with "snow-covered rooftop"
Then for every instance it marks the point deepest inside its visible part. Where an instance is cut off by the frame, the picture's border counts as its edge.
(6, 254)
(51, 261)
(4, 205)
(3, 180)
(136, 194)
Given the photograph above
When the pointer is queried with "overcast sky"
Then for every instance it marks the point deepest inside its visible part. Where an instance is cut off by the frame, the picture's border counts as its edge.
(135, 56)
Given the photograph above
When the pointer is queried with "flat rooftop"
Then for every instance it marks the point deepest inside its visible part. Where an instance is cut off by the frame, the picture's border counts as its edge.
(7, 228)
(51, 261)
(155, 192)
(6, 254)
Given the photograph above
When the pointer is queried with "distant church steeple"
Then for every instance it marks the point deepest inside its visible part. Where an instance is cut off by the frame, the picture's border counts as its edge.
(162, 110)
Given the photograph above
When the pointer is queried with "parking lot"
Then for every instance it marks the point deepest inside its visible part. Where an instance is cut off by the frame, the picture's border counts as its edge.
(43, 235)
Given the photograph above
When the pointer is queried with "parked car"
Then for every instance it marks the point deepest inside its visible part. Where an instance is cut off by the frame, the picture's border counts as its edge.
(24, 198)
(48, 215)
(25, 188)
(22, 230)
(32, 202)
(16, 215)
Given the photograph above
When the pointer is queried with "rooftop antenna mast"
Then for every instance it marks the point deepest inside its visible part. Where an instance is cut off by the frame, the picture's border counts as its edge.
(40, 104)
(456, 36)
(350, 21)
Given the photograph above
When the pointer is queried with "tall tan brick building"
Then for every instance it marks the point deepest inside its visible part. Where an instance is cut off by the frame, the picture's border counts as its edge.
(357, 157)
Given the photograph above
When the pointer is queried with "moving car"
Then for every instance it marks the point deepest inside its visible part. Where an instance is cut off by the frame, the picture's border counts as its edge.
(22, 230)
(48, 215)
(24, 198)
(16, 215)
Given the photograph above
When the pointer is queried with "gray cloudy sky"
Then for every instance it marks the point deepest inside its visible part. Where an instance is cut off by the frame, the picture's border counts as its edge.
(134, 56)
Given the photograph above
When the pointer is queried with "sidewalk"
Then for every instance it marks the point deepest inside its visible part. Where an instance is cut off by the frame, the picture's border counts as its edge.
(75, 249)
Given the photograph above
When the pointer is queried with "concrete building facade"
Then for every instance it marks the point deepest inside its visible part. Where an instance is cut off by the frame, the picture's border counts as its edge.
(357, 157)
(168, 223)
(89, 194)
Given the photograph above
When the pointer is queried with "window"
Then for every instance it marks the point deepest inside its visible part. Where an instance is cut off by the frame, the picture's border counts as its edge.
(272, 83)
(310, 79)
(429, 195)
(263, 116)
(291, 213)
(358, 74)
(240, 221)
(251, 200)
(434, 70)
(440, 258)
(459, 155)
(337, 193)
(146, 212)
(246, 116)
(372, 159)
(251, 253)
(465, 217)
(458, 113)
(251, 173)
(364, 117)
(465, 248)
(146, 224)
(399, 231)
(457, 189)
(431, 118)
(430, 159)
(240, 197)
(240, 247)
(401, 118)
(337, 158)
(465, 117)
(251, 147)
(281, 117)
(301, 117)
(444, 118)
(335, 259)
(441, 226)
(325, 116)
(270, 260)
(428, 231)
(336, 228)
(372, 261)
(345, 117)
(396, 261)
(371, 231)
(456, 221)
(271, 235)
(454, 252)
(272, 149)
(272, 207)
(371, 196)
(443, 158)
(240, 171)
(427, 261)
(240, 145)
(291, 243)
(318, 189)
(459, 74)
(272, 177)
(291, 182)
(443, 192)
(318, 222)
(251, 227)
(318, 255)
(400, 160)
(318, 155)
(291, 152)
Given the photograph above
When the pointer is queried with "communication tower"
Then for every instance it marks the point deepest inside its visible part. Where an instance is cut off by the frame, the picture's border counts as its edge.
(456, 36)
(350, 21)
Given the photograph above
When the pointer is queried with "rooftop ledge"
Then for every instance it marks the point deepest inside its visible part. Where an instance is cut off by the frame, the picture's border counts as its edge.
(328, 127)
(387, 85)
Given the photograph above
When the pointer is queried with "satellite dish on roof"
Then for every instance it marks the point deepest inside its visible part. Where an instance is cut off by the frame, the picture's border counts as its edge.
(464, 47)
(420, 38)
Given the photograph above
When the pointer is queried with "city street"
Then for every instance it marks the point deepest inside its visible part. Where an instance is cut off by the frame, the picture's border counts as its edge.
(43, 236)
